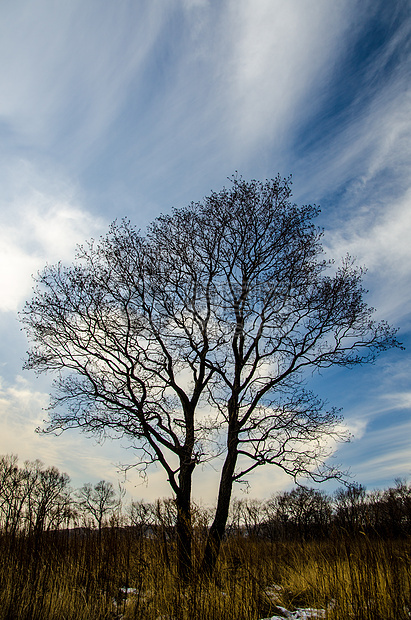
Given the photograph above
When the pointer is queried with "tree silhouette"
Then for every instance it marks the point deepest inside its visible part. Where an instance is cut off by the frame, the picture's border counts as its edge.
(98, 500)
(195, 341)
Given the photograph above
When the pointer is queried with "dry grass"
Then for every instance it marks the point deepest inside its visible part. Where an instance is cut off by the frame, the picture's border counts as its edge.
(76, 577)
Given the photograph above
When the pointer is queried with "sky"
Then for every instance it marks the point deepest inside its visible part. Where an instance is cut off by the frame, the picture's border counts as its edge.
(130, 108)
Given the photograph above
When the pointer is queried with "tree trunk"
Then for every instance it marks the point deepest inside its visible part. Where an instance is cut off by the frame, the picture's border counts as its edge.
(218, 526)
(184, 526)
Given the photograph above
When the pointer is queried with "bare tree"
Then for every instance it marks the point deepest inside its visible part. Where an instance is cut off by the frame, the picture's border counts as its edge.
(195, 341)
(351, 507)
(32, 497)
(14, 488)
(396, 502)
(302, 512)
(98, 501)
(246, 517)
(48, 503)
(141, 517)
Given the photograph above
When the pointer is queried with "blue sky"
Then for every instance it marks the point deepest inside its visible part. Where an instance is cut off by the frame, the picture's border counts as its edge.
(112, 109)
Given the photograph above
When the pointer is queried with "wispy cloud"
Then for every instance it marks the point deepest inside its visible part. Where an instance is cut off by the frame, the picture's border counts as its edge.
(381, 455)
(134, 107)
(67, 69)
(380, 241)
(280, 54)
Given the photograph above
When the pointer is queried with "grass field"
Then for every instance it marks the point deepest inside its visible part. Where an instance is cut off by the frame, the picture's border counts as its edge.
(75, 575)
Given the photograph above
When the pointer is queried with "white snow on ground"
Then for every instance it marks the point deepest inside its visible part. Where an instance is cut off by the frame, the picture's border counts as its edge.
(308, 613)
(128, 590)
(299, 614)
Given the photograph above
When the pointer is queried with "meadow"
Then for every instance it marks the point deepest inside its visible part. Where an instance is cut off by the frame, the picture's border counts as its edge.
(79, 575)
(84, 554)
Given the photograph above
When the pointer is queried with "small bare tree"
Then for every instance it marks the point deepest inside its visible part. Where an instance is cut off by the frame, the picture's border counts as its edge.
(195, 341)
(99, 501)
(15, 487)
(302, 512)
(351, 507)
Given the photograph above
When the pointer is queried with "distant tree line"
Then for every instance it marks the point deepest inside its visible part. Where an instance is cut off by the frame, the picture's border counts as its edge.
(305, 513)
(35, 499)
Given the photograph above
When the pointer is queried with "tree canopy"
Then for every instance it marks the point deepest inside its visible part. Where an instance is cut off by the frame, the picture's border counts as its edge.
(194, 340)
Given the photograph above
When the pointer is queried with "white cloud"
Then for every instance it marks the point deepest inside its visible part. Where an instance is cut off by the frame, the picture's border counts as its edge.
(39, 223)
(357, 426)
(369, 156)
(280, 59)
(364, 147)
(380, 450)
(239, 79)
(381, 242)
(399, 400)
(20, 414)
